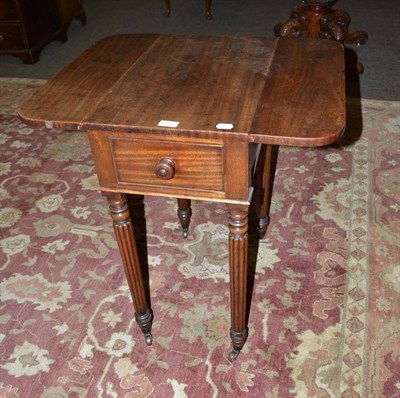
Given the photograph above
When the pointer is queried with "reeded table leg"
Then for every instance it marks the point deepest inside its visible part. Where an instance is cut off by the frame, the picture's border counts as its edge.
(238, 246)
(127, 246)
(263, 190)
(184, 214)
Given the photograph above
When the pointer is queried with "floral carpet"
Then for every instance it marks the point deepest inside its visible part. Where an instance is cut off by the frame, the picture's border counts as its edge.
(325, 314)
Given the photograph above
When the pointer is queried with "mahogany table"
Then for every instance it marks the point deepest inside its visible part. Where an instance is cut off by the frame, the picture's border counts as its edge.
(187, 117)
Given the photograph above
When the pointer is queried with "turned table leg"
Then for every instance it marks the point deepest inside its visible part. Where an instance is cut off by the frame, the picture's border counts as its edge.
(264, 189)
(127, 246)
(167, 12)
(238, 246)
(208, 9)
(184, 214)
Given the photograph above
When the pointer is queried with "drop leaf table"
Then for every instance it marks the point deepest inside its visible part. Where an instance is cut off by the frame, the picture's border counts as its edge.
(189, 117)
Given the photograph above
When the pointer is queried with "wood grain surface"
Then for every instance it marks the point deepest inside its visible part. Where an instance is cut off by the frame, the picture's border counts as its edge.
(276, 91)
(303, 101)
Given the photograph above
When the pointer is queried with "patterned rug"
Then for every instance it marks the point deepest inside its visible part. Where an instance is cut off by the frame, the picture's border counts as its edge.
(325, 315)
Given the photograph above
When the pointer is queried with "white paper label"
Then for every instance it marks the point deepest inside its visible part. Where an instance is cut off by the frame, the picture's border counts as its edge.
(224, 126)
(168, 123)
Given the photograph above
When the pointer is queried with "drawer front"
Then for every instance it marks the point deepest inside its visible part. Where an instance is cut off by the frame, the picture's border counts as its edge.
(11, 38)
(168, 164)
(7, 10)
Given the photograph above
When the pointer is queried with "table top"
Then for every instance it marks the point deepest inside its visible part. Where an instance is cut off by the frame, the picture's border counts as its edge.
(271, 90)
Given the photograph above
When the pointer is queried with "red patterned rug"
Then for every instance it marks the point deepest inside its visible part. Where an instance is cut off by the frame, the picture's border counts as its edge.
(325, 315)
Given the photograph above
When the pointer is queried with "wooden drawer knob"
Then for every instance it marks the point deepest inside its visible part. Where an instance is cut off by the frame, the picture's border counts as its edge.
(165, 169)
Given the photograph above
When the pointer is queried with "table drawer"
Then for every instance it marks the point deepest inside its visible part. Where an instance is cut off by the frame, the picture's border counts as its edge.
(7, 10)
(10, 38)
(168, 164)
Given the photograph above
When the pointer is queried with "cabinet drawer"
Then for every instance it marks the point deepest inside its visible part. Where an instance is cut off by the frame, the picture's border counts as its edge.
(168, 164)
(11, 38)
(7, 10)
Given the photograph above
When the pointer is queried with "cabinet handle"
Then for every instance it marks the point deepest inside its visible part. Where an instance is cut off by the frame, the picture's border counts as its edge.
(165, 168)
(1, 38)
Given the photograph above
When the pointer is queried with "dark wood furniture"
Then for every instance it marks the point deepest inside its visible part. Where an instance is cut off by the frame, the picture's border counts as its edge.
(317, 19)
(69, 10)
(207, 6)
(26, 26)
(128, 91)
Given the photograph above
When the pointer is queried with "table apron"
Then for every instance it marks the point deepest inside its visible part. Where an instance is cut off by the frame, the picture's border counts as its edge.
(215, 170)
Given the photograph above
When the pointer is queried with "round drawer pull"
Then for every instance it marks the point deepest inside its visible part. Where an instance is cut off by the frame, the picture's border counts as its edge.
(165, 168)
